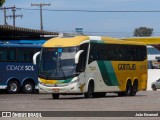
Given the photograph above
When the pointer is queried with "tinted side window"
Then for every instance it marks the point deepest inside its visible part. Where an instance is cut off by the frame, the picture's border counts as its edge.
(26, 54)
(3, 54)
(117, 52)
(7, 54)
(93, 55)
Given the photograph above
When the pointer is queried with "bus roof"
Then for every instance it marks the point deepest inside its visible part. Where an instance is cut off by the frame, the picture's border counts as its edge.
(145, 40)
(20, 45)
(24, 41)
(75, 41)
(62, 42)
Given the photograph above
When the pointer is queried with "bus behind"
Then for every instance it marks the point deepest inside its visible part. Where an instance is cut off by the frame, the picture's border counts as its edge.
(17, 72)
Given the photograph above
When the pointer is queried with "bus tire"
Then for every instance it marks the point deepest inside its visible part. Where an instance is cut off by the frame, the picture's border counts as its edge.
(90, 90)
(128, 88)
(28, 87)
(134, 88)
(13, 87)
(55, 96)
(99, 94)
(120, 94)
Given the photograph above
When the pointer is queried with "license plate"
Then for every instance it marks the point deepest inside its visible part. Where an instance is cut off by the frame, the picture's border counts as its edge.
(55, 90)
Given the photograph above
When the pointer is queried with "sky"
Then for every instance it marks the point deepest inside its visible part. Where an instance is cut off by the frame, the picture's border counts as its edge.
(114, 24)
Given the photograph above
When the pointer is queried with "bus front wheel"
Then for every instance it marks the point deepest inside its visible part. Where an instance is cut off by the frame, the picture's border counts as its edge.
(99, 94)
(55, 96)
(90, 90)
(13, 87)
(28, 87)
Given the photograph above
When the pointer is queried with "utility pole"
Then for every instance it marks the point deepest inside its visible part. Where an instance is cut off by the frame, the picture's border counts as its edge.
(41, 17)
(5, 22)
(14, 16)
(5, 15)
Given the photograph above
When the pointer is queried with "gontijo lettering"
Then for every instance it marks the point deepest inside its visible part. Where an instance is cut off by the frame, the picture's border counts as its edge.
(126, 66)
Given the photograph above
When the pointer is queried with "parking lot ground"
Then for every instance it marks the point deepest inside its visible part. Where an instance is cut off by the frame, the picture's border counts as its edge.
(143, 101)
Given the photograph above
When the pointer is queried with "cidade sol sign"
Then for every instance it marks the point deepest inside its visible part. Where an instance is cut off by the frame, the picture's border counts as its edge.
(20, 67)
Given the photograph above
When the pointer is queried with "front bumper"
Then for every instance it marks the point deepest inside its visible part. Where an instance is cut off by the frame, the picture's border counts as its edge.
(73, 88)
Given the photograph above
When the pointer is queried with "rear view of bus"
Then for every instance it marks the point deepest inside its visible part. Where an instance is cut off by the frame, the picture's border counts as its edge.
(17, 72)
(93, 66)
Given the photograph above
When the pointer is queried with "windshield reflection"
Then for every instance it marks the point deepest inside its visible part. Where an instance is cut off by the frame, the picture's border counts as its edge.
(58, 63)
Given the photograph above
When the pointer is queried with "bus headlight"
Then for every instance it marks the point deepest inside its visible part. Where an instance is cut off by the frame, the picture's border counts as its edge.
(74, 81)
(41, 83)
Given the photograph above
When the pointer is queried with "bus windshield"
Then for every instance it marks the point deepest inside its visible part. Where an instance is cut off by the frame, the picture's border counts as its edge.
(58, 63)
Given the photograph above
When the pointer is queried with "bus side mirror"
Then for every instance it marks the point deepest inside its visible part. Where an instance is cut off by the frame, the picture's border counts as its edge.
(77, 56)
(35, 57)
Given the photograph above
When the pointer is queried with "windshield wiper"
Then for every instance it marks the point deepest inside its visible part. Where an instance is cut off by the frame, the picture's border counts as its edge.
(62, 69)
(48, 72)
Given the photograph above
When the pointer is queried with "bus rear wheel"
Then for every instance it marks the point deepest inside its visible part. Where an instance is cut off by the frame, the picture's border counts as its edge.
(120, 94)
(128, 88)
(13, 87)
(134, 88)
(28, 87)
(55, 96)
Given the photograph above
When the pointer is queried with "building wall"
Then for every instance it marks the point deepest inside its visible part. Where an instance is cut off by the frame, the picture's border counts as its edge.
(153, 75)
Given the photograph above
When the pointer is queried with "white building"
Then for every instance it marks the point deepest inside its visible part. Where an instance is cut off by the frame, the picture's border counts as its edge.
(153, 65)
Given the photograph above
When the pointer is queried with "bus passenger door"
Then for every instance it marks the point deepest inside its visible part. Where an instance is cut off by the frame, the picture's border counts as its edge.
(81, 66)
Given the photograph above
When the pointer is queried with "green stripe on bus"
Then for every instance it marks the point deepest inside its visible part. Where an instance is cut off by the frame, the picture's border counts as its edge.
(111, 72)
(104, 73)
(64, 81)
(108, 73)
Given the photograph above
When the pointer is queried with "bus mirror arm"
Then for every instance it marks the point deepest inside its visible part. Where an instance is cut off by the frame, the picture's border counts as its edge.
(35, 57)
(77, 56)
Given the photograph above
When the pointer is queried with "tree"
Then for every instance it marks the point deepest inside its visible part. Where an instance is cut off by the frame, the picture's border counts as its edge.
(143, 32)
(1, 2)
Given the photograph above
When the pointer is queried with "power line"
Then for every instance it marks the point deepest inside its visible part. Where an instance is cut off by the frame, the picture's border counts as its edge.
(96, 11)
(99, 11)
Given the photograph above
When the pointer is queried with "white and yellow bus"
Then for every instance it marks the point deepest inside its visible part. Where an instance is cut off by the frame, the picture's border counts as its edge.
(93, 66)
